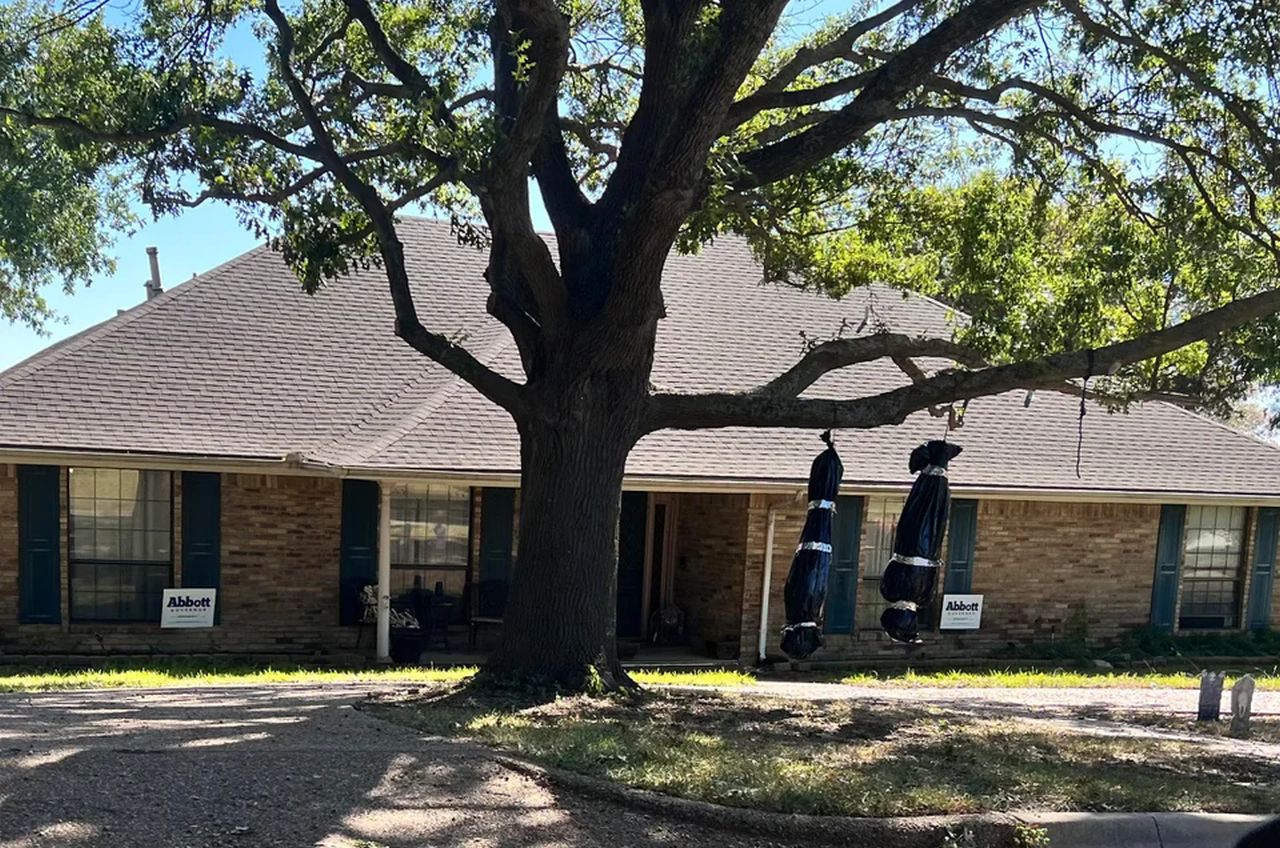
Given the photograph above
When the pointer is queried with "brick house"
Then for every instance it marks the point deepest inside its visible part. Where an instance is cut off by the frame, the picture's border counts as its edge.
(233, 432)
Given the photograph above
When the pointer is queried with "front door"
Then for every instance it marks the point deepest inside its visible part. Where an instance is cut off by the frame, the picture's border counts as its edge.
(659, 556)
(632, 525)
(646, 542)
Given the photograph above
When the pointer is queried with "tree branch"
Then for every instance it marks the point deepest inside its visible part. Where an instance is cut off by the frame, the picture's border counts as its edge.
(840, 353)
(774, 95)
(190, 120)
(903, 72)
(522, 274)
(767, 407)
(399, 67)
(440, 349)
(1260, 232)
(1244, 112)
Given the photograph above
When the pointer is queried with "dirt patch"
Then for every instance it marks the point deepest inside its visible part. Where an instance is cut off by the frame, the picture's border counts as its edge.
(850, 758)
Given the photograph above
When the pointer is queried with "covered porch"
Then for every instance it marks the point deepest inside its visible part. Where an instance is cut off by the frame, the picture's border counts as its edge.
(680, 574)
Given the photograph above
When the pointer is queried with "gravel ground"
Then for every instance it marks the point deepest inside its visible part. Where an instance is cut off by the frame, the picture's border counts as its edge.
(277, 766)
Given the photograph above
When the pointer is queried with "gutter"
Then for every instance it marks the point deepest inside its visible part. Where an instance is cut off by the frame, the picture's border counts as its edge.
(767, 580)
(295, 464)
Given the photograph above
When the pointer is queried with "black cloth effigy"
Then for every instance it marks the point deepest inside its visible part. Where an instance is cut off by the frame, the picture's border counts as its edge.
(806, 590)
(910, 579)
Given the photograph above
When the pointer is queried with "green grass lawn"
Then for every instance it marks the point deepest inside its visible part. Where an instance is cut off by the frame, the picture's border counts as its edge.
(1055, 679)
(180, 673)
(16, 679)
(849, 758)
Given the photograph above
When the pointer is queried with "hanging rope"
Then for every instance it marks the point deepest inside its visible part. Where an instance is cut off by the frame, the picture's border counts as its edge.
(954, 418)
(1084, 396)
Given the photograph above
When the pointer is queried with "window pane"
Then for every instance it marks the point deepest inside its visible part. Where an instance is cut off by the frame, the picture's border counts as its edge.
(432, 522)
(81, 482)
(874, 551)
(120, 523)
(1213, 547)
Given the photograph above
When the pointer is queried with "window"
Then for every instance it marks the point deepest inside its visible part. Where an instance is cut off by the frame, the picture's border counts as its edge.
(121, 543)
(430, 538)
(1213, 551)
(874, 551)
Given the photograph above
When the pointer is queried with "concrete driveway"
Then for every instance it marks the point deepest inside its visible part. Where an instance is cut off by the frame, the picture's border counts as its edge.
(276, 766)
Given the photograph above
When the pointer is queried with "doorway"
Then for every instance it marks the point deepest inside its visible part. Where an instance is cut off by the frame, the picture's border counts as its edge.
(646, 557)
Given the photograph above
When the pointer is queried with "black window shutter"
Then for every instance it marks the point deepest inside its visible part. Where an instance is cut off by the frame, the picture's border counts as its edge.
(842, 579)
(1264, 566)
(202, 533)
(962, 535)
(358, 554)
(497, 523)
(1164, 590)
(39, 546)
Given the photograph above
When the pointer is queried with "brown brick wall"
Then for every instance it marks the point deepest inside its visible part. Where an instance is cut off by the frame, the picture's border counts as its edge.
(280, 539)
(279, 593)
(1046, 568)
(1050, 570)
(711, 548)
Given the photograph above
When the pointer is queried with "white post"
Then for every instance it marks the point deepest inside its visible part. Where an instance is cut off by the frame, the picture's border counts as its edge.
(763, 636)
(384, 573)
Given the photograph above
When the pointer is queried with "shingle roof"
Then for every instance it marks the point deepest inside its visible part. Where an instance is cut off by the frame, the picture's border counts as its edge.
(238, 362)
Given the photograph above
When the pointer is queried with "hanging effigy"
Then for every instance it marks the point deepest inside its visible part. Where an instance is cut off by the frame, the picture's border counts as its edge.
(806, 589)
(911, 577)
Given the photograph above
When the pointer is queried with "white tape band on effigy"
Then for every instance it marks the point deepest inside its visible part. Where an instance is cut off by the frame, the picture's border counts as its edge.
(814, 546)
(831, 505)
(904, 605)
(915, 560)
(933, 471)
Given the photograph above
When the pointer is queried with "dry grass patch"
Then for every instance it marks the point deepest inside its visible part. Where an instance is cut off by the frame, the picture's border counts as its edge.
(850, 759)
(1264, 728)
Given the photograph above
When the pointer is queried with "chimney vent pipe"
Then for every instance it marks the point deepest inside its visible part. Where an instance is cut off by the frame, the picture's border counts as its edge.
(153, 285)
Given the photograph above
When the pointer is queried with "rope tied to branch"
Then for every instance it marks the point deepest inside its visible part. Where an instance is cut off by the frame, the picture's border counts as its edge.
(1084, 396)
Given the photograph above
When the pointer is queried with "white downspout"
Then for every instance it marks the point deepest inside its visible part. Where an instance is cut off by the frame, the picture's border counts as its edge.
(384, 573)
(768, 580)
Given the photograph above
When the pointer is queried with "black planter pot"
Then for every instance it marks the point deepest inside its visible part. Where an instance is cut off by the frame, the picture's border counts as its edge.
(407, 646)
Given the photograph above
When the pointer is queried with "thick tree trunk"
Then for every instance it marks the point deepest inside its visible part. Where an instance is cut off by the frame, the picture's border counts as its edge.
(561, 608)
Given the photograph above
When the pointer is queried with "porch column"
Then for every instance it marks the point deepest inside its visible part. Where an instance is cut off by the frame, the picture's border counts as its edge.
(384, 573)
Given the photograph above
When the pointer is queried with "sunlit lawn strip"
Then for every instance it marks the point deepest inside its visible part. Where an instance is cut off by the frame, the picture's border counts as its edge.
(180, 673)
(692, 677)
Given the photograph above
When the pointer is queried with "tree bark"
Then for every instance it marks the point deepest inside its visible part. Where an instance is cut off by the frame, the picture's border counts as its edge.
(560, 619)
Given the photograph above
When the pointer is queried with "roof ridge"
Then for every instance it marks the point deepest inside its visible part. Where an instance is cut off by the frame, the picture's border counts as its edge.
(95, 332)
(414, 416)
(338, 440)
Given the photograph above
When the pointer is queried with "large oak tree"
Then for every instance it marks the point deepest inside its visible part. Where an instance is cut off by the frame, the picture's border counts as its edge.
(1092, 182)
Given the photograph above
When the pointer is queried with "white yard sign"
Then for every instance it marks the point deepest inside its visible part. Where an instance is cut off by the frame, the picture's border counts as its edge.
(188, 607)
(961, 612)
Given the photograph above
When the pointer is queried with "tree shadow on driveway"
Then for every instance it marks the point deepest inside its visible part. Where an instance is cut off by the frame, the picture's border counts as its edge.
(277, 766)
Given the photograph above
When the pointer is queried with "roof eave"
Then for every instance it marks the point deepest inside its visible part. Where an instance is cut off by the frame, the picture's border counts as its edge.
(296, 465)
